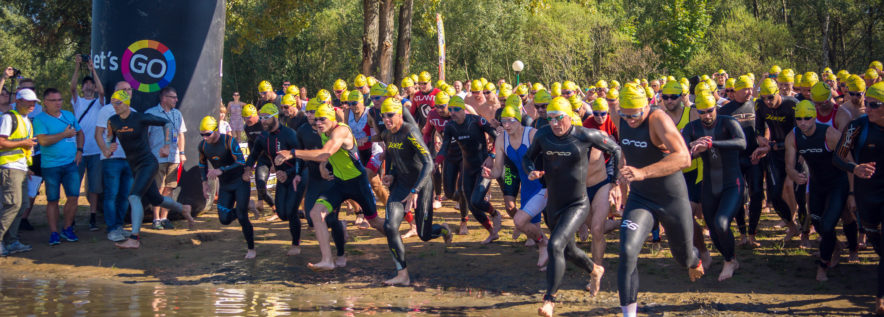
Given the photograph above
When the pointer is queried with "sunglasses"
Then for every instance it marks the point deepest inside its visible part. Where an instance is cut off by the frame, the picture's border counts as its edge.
(310, 111)
(669, 97)
(441, 106)
(803, 118)
(422, 83)
(567, 92)
(540, 105)
(600, 113)
(557, 118)
(855, 94)
(455, 109)
(610, 100)
(389, 115)
(375, 98)
(339, 92)
(206, 134)
(321, 119)
(769, 97)
(265, 117)
(705, 111)
(352, 103)
(631, 116)
(728, 90)
(874, 105)
(508, 121)
(487, 92)
(772, 76)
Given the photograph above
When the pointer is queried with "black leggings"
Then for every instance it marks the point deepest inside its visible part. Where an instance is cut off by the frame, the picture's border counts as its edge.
(452, 183)
(563, 224)
(233, 203)
(753, 174)
(718, 210)
(826, 204)
(638, 219)
(474, 187)
(776, 176)
(423, 218)
(262, 172)
(287, 208)
(314, 188)
(143, 184)
(870, 204)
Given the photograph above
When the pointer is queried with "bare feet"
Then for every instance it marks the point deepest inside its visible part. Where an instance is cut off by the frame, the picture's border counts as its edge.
(752, 242)
(791, 233)
(341, 261)
(583, 233)
(595, 280)
(517, 233)
(821, 274)
(294, 250)
(697, 272)
(447, 235)
(728, 270)
(272, 218)
(411, 232)
(805, 241)
(401, 279)
(191, 223)
(836, 255)
(744, 240)
(463, 228)
(879, 306)
(362, 224)
(251, 254)
(129, 244)
(547, 309)
(543, 253)
(492, 235)
(321, 266)
(853, 258)
(706, 259)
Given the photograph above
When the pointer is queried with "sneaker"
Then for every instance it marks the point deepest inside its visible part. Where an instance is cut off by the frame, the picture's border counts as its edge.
(25, 225)
(68, 234)
(167, 224)
(116, 235)
(92, 225)
(54, 239)
(17, 247)
(157, 225)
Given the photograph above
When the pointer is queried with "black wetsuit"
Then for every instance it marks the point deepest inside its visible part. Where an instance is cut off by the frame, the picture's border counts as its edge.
(566, 162)
(663, 199)
(233, 192)
(262, 171)
(314, 184)
(470, 137)
(722, 179)
(450, 179)
(266, 147)
(753, 174)
(410, 165)
(828, 187)
(292, 122)
(865, 141)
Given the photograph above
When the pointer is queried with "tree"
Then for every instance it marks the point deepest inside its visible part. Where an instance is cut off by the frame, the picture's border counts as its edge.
(369, 36)
(384, 59)
(403, 44)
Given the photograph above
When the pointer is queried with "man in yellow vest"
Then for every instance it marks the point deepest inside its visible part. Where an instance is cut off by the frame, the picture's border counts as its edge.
(16, 141)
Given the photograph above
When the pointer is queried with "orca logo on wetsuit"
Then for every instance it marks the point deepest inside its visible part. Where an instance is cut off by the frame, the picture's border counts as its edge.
(557, 153)
(814, 150)
(641, 144)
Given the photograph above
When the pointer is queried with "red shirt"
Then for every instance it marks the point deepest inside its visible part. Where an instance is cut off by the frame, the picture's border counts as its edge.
(424, 103)
(608, 126)
(434, 122)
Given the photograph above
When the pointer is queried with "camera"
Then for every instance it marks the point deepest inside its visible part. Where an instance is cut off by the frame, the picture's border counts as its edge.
(16, 72)
(86, 58)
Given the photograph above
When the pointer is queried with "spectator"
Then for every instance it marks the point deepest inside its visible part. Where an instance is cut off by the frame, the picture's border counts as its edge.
(16, 143)
(223, 126)
(59, 135)
(285, 85)
(234, 109)
(86, 108)
(167, 176)
(115, 171)
(35, 179)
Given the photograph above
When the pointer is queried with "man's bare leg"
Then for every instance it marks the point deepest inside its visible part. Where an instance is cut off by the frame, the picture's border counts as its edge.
(547, 309)
(495, 228)
(401, 278)
(728, 270)
(412, 231)
(251, 254)
(598, 217)
(522, 220)
(318, 214)
(595, 280)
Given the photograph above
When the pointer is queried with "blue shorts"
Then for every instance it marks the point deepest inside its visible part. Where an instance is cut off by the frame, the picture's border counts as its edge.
(67, 176)
(90, 166)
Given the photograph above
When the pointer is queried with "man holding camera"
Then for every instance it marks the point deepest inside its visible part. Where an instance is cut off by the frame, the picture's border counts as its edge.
(16, 143)
(86, 108)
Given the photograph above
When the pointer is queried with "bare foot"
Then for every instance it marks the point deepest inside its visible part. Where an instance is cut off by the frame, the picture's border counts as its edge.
(853, 258)
(583, 233)
(464, 229)
(491, 237)
(744, 240)
(191, 223)
(362, 224)
(753, 243)
(272, 218)
(447, 235)
(321, 266)
(879, 306)
(294, 250)
(543, 254)
(836, 255)
(821, 274)
(697, 272)
(517, 233)
(401, 279)
(530, 243)
(805, 241)
(707, 259)
(496, 223)
(728, 270)
(341, 261)
(129, 244)
(251, 254)
(595, 280)
(791, 233)
(547, 309)
(411, 232)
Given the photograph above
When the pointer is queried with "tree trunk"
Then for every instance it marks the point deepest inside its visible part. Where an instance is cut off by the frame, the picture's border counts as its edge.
(785, 14)
(403, 46)
(369, 35)
(825, 24)
(755, 8)
(385, 41)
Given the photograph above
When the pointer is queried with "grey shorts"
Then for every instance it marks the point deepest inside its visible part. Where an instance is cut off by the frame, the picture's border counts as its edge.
(167, 175)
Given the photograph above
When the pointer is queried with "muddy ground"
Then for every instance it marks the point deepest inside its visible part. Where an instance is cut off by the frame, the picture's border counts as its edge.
(467, 278)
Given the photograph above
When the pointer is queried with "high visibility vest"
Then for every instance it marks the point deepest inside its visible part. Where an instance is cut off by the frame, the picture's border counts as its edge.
(697, 163)
(20, 133)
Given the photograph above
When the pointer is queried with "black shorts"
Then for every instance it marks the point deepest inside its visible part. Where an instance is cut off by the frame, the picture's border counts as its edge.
(357, 189)
(694, 188)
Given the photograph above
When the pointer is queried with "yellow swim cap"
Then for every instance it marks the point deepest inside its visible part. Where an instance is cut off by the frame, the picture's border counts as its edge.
(615, 84)
(208, 123)
(876, 91)
(442, 98)
(490, 87)
(730, 82)
(798, 80)
(721, 72)
(339, 84)
(871, 73)
(249, 111)
(359, 81)
(649, 92)
(704, 77)
(671, 88)
(514, 101)
(354, 95)
(702, 88)
(370, 81)
(775, 69)
(601, 84)
(522, 89)
(787, 76)
(413, 77)
(876, 65)
(312, 104)
(633, 97)
(391, 105)
(511, 112)
(376, 90)
(704, 101)
(827, 70)
(269, 109)
(424, 77)
(599, 104)
(476, 85)
(293, 90)
(556, 89)
(323, 95)
(856, 84)
(576, 103)
(440, 82)
(769, 87)
(450, 90)
(505, 91)
(456, 102)
(391, 91)
(614, 93)
(537, 86)
(407, 82)
(123, 96)
(808, 80)
(265, 86)
(542, 96)
(326, 111)
(559, 105)
(820, 92)
(805, 109)
(483, 81)
(569, 85)
(289, 100)
(843, 75)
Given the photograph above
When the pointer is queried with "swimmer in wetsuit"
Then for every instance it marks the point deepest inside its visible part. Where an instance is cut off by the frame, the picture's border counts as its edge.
(718, 140)
(253, 129)
(226, 159)
(130, 129)
(468, 131)
(278, 138)
(408, 176)
(564, 151)
(655, 153)
(859, 151)
(828, 186)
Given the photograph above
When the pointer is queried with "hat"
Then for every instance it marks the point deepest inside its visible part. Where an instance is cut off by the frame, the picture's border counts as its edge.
(391, 91)
(339, 84)
(456, 102)
(359, 81)
(769, 87)
(856, 84)
(876, 91)
(289, 100)
(354, 95)
(326, 111)
(269, 109)
(265, 86)
(671, 88)
(442, 98)
(704, 101)
(542, 96)
(407, 82)
(208, 123)
(744, 82)
(633, 97)
(804, 109)
(249, 111)
(293, 90)
(424, 77)
(120, 95)
(391, 105)
(29, 95)
(820, 92)
(599, 104)
(313, 104)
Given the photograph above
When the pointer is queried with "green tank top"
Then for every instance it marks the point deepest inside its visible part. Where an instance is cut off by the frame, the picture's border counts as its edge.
(697, 163)
(344, 162)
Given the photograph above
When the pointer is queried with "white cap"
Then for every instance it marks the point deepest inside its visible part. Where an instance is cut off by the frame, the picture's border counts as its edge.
(26, 95)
